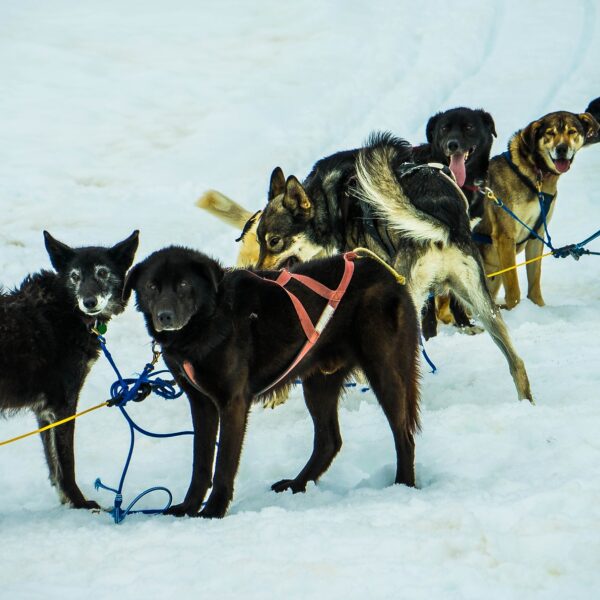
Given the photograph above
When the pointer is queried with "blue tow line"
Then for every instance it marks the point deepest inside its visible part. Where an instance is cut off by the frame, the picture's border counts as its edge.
(123, 391)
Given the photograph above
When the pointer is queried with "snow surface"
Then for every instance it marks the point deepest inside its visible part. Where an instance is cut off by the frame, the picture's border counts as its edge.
(117, 115)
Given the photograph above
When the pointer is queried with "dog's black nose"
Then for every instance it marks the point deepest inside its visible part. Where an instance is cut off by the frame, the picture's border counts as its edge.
(453, 146)
(90, 302)
(166, 317)
(562, 150)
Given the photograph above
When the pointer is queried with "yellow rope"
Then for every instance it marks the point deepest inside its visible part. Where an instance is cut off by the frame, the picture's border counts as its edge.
(55, 424)
(366, 252)
(520, 264)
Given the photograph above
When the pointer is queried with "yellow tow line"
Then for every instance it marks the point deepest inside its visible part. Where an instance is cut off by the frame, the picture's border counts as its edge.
(55, 424)
(360, 251)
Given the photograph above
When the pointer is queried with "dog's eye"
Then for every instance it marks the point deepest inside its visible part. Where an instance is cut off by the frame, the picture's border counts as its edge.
(151, 286)
(444, 128)
(468, 127)
(183, 284)
(274, 241)
(572, 131)
(102, 273)
(75, 276)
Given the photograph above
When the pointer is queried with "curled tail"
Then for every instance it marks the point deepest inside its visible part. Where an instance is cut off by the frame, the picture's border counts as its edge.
(380, 188)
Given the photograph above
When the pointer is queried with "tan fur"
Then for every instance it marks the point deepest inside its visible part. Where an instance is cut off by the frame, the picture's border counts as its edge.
(530, 149)
(230, 212)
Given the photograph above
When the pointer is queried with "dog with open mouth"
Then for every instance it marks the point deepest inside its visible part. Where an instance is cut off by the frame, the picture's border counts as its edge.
(525, 179)
(231, 337)
(47, 347)
(461, 138)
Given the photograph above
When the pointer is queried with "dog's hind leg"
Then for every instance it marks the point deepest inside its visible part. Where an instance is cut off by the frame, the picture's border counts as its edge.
(429, 319)
(393, 377)
(468, 283)
(205, 419)
(321, 393)
(45, 418)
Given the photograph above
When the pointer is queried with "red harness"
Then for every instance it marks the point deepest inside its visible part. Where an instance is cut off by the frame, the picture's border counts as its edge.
(311, 331)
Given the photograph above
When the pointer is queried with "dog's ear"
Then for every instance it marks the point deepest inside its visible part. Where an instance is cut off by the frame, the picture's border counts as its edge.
(488, 121)
(210, 270)
(60, 254)
(123, 252)
(295, 198)
(590, 125)
(431, 127)
(277, 183)
(529, 134)
(130, 282)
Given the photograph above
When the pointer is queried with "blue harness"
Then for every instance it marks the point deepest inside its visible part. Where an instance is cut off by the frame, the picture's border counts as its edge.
(545, 201)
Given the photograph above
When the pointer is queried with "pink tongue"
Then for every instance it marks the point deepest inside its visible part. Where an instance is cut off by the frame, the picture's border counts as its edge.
(562, 165)
(457, 166)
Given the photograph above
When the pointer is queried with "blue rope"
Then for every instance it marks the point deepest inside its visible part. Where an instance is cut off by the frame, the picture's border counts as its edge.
(547, 242)
(426, 357)
(136, 389)
(577, 250)
(574, 250)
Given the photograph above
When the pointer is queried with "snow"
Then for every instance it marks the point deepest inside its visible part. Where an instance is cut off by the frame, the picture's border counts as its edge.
(116, 116)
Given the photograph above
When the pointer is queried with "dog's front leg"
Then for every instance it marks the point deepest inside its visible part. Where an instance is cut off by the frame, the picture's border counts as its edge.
(205, 419)
(233, 417)
(507, 258)
(533, 249)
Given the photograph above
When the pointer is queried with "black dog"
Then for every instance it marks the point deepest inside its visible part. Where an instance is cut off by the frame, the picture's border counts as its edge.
(228, 335)
(47, 348)
(594, 109)
(462, 139)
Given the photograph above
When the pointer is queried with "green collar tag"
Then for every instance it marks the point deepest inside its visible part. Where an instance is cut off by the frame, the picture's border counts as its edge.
(101, 327)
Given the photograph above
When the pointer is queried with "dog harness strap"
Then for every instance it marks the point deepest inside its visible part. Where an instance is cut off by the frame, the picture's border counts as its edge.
(508, 158)
(306, 322)
(311, 331)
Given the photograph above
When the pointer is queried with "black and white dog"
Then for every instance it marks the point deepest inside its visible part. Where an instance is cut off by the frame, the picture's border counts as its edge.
(47, 348)
(419, 223)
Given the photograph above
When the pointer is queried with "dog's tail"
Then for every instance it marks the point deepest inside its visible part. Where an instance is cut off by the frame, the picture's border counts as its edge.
(380, 188)
(224, 208)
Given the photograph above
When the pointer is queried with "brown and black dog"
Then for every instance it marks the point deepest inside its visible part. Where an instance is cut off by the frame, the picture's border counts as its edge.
(537, 156)
(228, 335)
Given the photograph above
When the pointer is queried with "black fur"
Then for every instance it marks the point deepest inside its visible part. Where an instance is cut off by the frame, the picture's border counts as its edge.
(239, 333)
(47, 349)
(459, 130)
(594, 109)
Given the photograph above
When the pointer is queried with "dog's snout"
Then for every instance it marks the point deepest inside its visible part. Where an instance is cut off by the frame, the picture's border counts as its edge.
(562, 150)
(90, 302)
(166, 318)
(453, 145)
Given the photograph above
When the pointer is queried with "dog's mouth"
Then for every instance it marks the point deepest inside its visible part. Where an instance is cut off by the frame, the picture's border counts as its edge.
(457, 163)
(93, 306)
(562, 165)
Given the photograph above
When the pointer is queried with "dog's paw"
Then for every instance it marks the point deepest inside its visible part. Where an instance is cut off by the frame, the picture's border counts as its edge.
(87, 505)
(537, 299)
(181, 510)
(509, 304)
(289, 484)
(471, 330)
